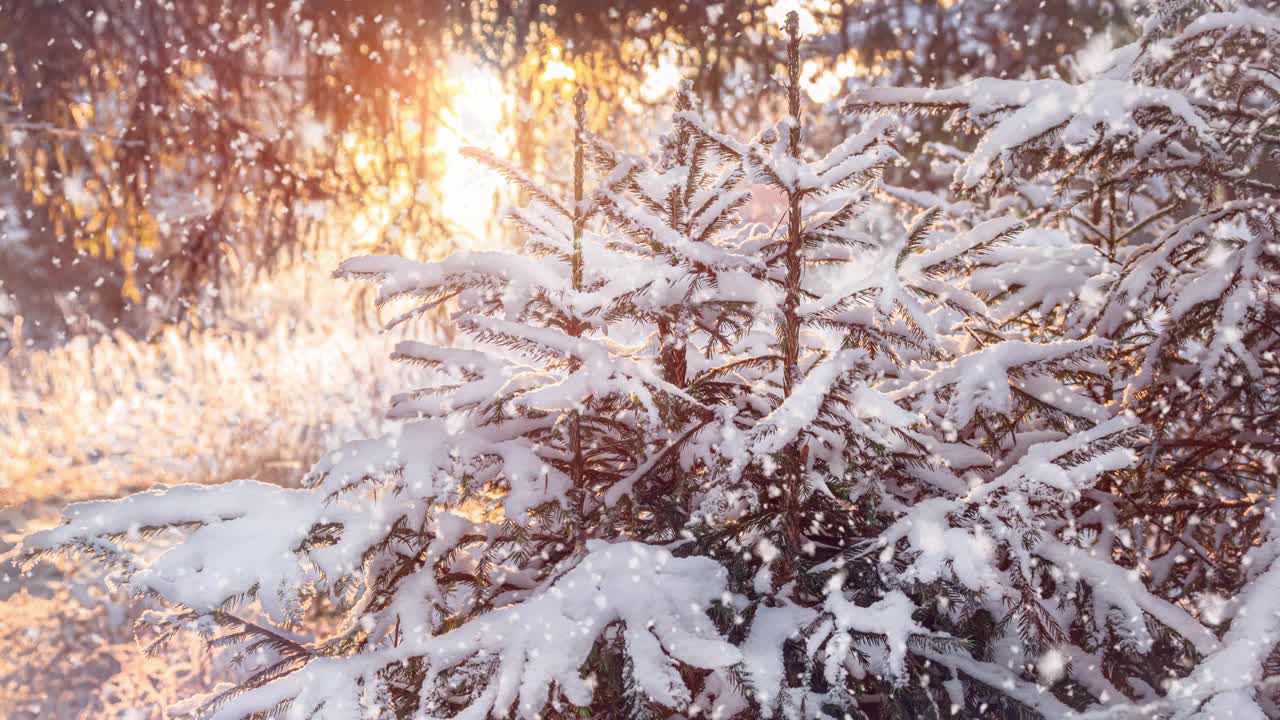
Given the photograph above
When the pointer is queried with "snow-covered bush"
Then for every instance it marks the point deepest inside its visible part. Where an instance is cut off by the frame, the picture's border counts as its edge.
(835, 464)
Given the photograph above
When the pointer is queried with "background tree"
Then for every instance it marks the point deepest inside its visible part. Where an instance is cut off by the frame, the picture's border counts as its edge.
(159, 154)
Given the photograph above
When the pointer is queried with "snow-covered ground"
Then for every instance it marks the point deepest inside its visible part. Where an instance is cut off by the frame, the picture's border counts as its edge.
(101, 420)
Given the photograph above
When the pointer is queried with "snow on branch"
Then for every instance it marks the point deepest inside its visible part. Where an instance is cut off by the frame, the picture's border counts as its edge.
(653, 603)
(1063, 118)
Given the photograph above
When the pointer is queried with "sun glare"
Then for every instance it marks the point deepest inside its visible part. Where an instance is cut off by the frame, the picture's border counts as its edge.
(475, 118)
(464, 191)
(821, 85)
(660, 79)
(777, 13)
(556, 68)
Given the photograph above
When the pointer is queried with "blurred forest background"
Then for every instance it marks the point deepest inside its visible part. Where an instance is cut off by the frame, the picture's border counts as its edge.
(161, 157)
(178, 178)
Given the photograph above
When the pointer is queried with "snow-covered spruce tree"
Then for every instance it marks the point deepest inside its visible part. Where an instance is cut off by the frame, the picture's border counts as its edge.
(818, 467)
(679, 463)
(1162, 169)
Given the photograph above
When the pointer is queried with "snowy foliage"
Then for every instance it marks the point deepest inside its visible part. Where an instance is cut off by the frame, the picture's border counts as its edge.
(1156, 241)
(1009, 454)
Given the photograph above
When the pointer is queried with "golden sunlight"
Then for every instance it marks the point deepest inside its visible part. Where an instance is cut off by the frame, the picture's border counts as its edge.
(776, 13)
(464, 191)
(475, 117)
(822, 85)
(660, 79)
(556, 68)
